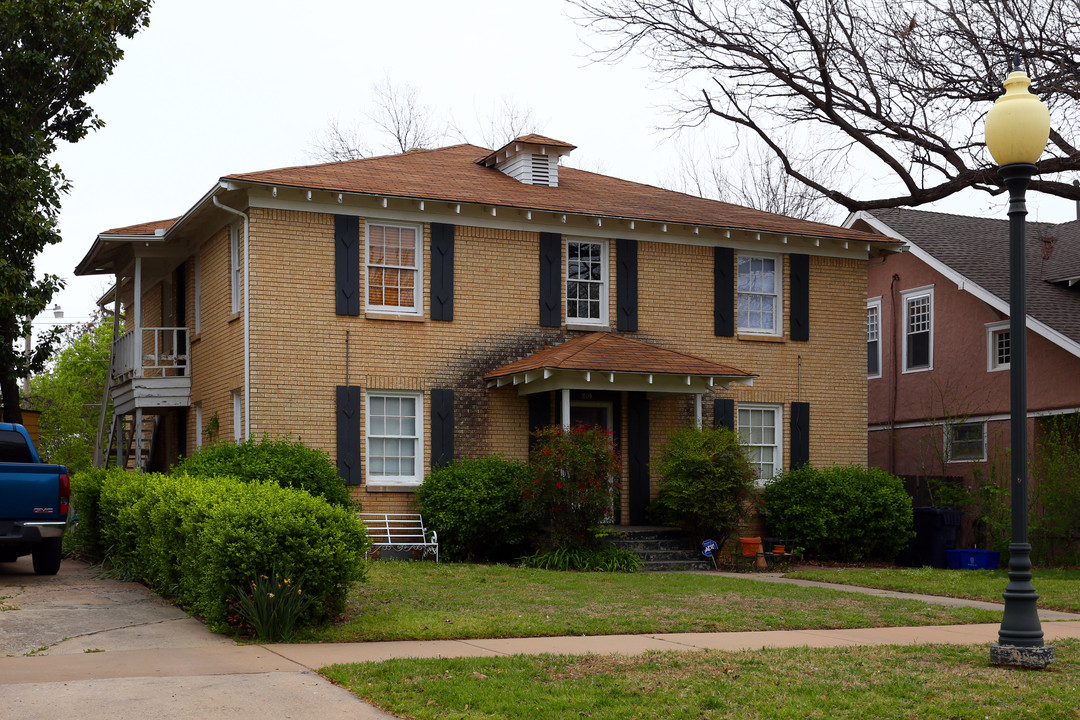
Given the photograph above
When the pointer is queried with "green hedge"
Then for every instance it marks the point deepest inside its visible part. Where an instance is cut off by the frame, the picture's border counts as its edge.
(476, 507)
(199, 539)
(288, 463)
(842, 513)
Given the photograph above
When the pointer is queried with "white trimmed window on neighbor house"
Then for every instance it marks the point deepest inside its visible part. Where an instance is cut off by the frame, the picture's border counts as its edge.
(587, 282)
(760, 430)
(393, 263)
(918, 329)
(759, 294)
(873, 338)
(395, 422)
(965, 442)
(998, 346)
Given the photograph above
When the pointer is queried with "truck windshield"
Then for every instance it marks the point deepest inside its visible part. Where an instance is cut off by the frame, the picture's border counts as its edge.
(13, 448)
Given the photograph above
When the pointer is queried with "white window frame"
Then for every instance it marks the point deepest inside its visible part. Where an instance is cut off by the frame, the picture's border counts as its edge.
(778, 435)
(873, 305)
(197, 301)
(236, 267)
(777, 294)
(418, 285)
(950, 430)
(604, 283)
(198, 425)
(238, 414)
(993, 331)
(907, 297)
(417, 477)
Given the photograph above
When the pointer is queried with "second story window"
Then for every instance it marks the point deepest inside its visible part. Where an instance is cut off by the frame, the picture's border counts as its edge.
(393, 268)
(918, 329)
(873, 338)
(236, 265)
(999, 346)
(586, 282)
(759, 295)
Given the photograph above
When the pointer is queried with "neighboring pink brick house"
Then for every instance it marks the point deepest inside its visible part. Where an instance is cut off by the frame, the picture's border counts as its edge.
(938, 339)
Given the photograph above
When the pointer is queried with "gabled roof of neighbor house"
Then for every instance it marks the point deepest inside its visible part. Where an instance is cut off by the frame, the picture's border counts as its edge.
(974, 253)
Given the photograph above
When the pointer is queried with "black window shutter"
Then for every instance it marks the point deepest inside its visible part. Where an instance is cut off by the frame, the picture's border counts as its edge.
(724, 413)
(799, 296)
(347, 264)
(442, 271)
(550, 279)
(637, 436)
(800, 434)
(539, 414)
(442, 427)
(723, 292)
(626, 275)
(349, 399)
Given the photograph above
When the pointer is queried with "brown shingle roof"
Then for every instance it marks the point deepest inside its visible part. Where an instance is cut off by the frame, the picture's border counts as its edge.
(607, 352)
(978, 249)
(146, 228)
(451, 174)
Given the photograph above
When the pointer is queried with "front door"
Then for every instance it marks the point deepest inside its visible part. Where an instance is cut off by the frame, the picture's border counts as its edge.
(597, 413)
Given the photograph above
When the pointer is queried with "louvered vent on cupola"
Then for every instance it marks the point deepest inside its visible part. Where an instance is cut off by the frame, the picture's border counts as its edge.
(530, 159)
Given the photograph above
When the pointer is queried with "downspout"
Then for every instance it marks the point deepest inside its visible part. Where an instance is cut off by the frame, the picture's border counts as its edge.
(247, 317)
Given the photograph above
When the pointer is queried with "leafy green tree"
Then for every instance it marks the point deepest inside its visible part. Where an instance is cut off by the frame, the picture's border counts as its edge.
(68, 395)
(52, 54)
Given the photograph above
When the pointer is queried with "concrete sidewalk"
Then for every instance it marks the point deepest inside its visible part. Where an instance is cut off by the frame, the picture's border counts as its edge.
(167, 667)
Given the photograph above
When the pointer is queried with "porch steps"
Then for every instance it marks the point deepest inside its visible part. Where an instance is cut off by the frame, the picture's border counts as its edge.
(660, 549)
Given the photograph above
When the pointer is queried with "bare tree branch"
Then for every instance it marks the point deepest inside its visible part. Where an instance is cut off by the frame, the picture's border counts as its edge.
(896, 87)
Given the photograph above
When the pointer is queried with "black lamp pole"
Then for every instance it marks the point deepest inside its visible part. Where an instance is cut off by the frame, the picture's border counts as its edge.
(1020, 638)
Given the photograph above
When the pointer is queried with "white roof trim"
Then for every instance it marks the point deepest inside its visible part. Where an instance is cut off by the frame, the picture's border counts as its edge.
(966, 284)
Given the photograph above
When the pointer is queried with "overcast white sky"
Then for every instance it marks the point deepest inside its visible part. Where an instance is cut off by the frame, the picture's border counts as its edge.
(213, 88)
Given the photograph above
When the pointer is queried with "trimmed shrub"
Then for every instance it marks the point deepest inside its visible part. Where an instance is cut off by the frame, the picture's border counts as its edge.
(706, 477)
(84, 535)
(476, 507)
(288, 463)
(843, 513)
(572, 492)
(202, 539)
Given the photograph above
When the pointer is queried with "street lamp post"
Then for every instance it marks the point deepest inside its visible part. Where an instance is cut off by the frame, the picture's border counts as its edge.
(1017, 128)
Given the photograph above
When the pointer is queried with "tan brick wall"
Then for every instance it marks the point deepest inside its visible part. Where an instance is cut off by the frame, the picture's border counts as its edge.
(301, 349)
(217, 352)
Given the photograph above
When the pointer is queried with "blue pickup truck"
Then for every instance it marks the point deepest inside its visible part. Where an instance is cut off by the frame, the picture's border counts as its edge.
(33, 502)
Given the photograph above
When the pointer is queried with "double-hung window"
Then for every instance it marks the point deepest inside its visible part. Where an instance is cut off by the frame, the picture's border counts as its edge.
(873, 338)
(759, 294)
(236, 262)
(998, 346)
(918, 329)
(966, 442)
(394, 438)
(760, 432)
(393, 268)
(587, 282)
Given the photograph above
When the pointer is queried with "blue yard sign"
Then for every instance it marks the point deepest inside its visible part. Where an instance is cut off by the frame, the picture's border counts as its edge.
(707, 547)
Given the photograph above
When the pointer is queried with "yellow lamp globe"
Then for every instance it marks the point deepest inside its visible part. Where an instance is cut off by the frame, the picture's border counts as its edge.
(1018, 125)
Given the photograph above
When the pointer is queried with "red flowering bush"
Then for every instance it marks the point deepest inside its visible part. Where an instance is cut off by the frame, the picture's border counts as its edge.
(574, 485)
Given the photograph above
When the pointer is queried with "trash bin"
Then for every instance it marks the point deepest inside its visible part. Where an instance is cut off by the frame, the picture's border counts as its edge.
(935, 534)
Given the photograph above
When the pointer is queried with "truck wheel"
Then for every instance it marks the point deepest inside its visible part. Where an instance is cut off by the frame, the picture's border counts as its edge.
(47, 556)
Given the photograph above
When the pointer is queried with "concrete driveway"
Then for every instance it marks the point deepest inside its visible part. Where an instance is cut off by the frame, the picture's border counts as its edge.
(83, 646)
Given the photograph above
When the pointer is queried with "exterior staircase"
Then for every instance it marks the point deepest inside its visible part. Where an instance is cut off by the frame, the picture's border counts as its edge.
(660, 549)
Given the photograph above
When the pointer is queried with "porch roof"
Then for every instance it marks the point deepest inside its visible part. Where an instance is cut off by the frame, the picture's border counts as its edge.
(606, 361)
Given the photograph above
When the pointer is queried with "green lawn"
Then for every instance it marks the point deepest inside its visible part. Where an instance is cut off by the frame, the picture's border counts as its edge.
(1058, 589)
(922, 681)
(424, 601)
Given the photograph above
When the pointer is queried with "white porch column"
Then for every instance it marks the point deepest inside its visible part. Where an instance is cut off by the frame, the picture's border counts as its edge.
(136, 345)
(566, 408)
(697, 410)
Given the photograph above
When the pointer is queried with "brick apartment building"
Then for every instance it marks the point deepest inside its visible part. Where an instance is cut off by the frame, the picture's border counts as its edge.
(405, 310)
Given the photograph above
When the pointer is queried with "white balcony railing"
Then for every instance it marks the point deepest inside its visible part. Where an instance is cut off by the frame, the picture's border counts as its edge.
(152, 352)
